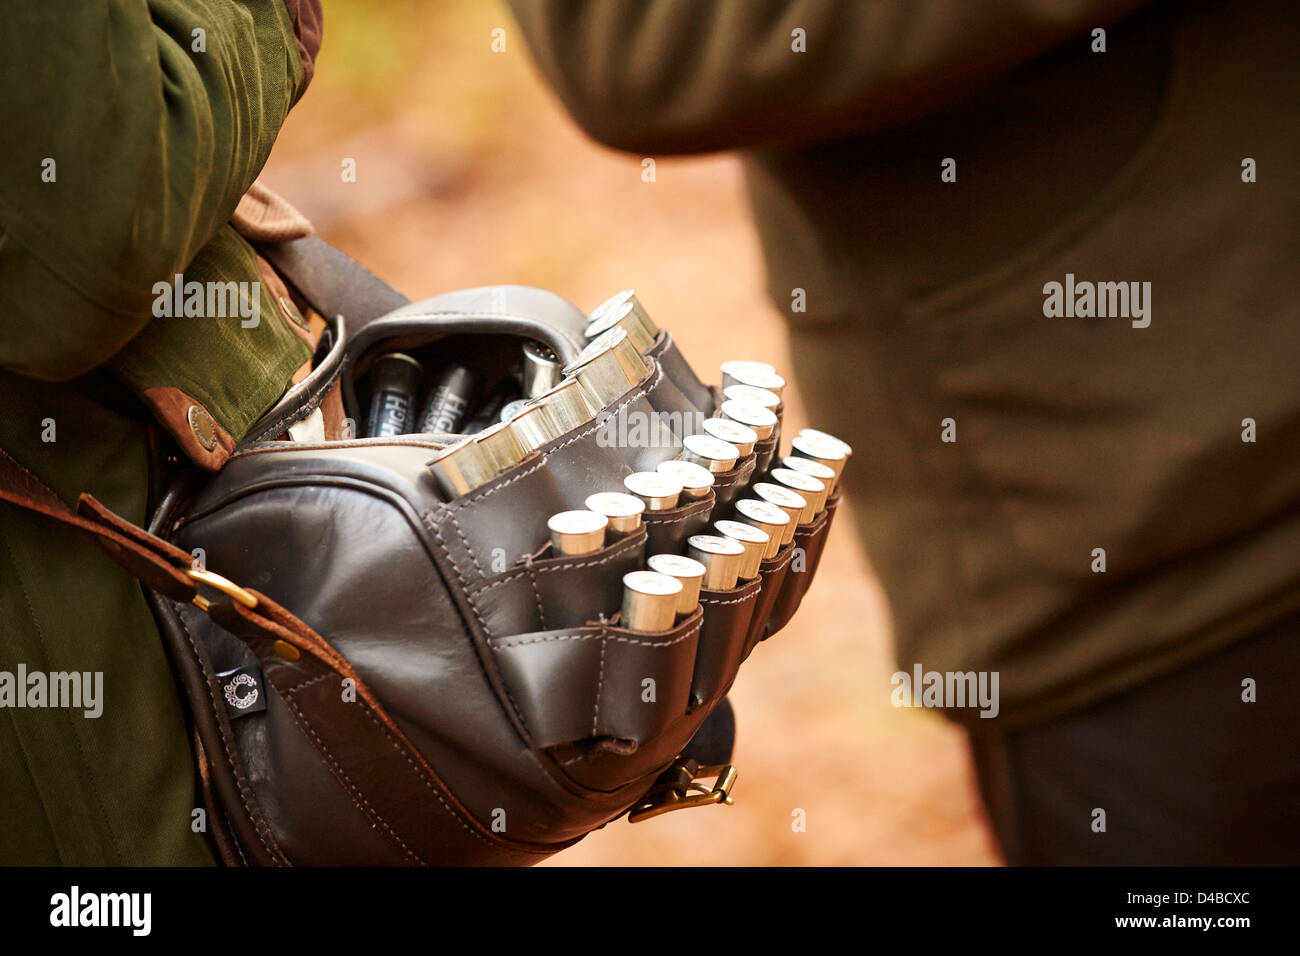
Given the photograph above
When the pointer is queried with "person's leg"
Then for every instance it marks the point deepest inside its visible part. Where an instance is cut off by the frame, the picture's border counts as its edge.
(1186, 771)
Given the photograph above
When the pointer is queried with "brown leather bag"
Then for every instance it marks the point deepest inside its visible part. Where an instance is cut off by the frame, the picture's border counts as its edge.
(398, 679)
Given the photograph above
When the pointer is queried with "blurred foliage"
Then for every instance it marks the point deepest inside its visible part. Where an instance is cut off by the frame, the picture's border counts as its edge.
(420, 64)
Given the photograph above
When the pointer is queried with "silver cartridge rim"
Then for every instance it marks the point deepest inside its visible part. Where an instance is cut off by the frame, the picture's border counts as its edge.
(541, 369)
(624, 296)
(500, 446)
(758, 419)
(398, 357)
(766, 517)
(708, 452)
(732, 365)
(650, 600)
(460, 468)
(567, 406)
(754, 540)
(730, 430)
(751, 396)
(577, 532)
(532, 426)
(618, 298)
(721, 557)
(811, 468)
(625, 317)
(612, 368)
(695, 480)
(602, 343)
(658, 491)
(510, 409)
(687, 570)
(813, 490)
(820, 450)
(788, 500)
(755, 378)
(623, 512)
(839, 443)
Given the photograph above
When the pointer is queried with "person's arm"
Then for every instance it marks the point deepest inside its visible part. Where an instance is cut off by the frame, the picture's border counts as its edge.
(700, 75)
(129, 129)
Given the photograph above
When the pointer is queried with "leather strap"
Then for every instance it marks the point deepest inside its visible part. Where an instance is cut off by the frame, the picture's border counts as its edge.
(359, 743)
(299, 400)
(332, 282)
(160, 565)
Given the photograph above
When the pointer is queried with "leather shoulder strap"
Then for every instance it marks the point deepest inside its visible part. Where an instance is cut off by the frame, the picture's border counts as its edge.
(361, 745)
(332, 282)
(159, 564)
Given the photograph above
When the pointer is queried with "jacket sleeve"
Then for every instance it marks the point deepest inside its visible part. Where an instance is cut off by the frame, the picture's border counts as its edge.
(129, 129)
(679, 76)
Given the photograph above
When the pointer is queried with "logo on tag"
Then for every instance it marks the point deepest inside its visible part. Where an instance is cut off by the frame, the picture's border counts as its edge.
(243, 691)
(236, 693)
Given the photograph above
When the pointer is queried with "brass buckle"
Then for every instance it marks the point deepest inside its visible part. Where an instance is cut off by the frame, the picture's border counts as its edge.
(227, 587)
(677, 789)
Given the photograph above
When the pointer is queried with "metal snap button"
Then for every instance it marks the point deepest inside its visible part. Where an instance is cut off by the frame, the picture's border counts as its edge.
(203, 427)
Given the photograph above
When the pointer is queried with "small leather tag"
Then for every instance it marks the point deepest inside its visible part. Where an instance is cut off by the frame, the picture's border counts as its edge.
(244, 691)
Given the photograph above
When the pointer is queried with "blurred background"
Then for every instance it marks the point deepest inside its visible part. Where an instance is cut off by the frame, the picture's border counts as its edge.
(468, 173)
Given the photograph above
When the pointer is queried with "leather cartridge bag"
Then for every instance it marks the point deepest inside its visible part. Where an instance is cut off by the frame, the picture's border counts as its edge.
(379, 676)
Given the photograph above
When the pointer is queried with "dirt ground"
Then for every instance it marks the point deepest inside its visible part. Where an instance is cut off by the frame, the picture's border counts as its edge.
(468, 173)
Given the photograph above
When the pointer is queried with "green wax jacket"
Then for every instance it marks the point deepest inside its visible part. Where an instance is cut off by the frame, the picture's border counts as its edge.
(1078, 503)
(129, 130)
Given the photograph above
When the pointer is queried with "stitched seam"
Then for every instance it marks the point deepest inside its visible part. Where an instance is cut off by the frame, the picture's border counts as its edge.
(675, 520)
(240, 780)
(308, 682)
(463, 502)
(811, 529)
(425, 778)
(427, 518)
(466, 313)
(432, 526)
(243, 857)
(736, 475)
(459, 817)
(465, 541)
(358, 798)
(506, 645)
(642, 392)
(595, 426)
(450, 508)
(600, 682)
(263, 447)
(602, 635)
(784, 561)
(739, 600)
(537, 595)
(615, 552)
